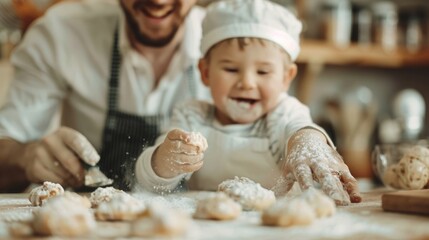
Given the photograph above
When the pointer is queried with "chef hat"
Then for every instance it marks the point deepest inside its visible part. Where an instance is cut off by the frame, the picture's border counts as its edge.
(251, 18)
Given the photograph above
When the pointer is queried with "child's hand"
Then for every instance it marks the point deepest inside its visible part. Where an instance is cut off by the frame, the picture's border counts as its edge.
(181, 152)
(310, 157)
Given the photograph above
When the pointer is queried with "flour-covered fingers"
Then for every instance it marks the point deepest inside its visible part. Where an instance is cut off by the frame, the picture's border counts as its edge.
(330, 183)
(189, 168)
(351, 186)
(79, 144)
(283, 185)
(177, 146)
(177, 155)
(187, 142)
(177, 134)
(303, 175)
(182, 159)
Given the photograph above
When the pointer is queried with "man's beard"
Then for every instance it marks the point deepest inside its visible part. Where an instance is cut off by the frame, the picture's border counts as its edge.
(144, 38)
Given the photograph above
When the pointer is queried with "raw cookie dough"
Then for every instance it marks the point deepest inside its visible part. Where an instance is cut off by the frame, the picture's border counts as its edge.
(391, 177)
(322, 205)
(161, 220)
(289, 212)
(301, 210)
(412, 171)
(217, 206)
(251, 195)
(77, 199)
(120, 207)
(198, 140)
(419, 152)
(103, 195)
(61, 216)
(413, 174)
(39, 195)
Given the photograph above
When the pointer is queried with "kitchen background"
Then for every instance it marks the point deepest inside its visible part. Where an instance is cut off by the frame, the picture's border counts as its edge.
(363, 69)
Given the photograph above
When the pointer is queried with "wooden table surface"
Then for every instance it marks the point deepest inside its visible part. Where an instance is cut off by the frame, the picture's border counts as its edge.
(364, 220)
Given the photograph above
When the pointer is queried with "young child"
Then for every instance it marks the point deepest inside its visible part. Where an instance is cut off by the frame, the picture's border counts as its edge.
(254, 129)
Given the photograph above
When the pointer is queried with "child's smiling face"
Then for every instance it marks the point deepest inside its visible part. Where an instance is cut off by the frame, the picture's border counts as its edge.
(246, 82)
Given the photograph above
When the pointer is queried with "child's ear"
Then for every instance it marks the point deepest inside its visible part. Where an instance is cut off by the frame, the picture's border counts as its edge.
(289, 76)
(204, 71)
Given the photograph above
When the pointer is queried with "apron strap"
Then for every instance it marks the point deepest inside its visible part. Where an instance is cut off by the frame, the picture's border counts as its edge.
(191, 75)
(115, 67)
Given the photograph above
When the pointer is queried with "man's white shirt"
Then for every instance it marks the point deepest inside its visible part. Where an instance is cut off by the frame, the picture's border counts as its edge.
(64, 62)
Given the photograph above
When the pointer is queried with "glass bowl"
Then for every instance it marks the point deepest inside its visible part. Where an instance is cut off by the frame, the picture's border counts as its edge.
(402, 165)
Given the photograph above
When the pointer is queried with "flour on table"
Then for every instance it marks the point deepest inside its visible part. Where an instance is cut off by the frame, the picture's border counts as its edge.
(13, 210)
(175, 201)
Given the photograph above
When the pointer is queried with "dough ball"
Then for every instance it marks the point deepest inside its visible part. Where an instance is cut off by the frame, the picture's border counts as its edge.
(322, 205)
(390, 176)
(301, 210)
(289, 212)
(61, 216)
(161, 220)
(21, 230)
(251, 195)
(39, 195)
(419, 152)
(103, 195)
(120, 207)
(217, 206)
(77, 199)
(413, 173)
(198, 140)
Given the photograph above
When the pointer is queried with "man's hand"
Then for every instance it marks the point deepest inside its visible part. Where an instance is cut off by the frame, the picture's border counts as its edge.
(56, 158)
(181, 152)
(310, 157)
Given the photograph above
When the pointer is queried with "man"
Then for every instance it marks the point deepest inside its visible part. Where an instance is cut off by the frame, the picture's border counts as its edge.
(114, 70)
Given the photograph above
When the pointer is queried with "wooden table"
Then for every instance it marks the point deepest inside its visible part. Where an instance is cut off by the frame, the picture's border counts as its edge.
(365, 220)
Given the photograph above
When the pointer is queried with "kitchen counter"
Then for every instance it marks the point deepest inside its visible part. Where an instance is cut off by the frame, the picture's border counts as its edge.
(364, 220)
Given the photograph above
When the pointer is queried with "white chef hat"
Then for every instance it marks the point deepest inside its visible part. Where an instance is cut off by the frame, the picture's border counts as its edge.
(251, 18)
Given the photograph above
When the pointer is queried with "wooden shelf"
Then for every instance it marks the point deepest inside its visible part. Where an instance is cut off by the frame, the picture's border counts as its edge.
(313, 51)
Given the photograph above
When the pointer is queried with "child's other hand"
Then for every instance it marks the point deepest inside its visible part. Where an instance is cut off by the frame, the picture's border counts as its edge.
(310, 157)
(181, 152)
